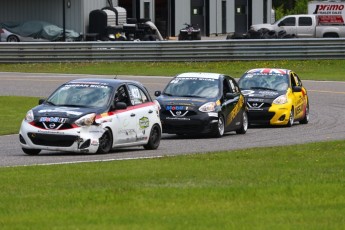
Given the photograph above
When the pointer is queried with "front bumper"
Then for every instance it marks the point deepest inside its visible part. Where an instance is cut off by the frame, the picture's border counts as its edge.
(274, 115)
(80, 139)
(201, 123)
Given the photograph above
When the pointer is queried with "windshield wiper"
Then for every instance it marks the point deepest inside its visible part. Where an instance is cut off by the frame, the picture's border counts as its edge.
(49, 102)
(188, 96)
(70, 105)
(263, 88)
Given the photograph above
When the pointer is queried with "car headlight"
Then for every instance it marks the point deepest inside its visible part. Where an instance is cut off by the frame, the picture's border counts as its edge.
(86, 120)
(282, 99)
(29, 116)
(208, 107)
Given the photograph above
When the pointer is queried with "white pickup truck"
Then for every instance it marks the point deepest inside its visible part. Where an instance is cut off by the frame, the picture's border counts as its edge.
(307, 26)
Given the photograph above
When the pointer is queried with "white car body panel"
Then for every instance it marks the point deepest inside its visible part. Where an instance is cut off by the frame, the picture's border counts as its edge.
(125, 125)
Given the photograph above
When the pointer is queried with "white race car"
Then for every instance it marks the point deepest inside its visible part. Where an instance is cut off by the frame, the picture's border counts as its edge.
(92, 116)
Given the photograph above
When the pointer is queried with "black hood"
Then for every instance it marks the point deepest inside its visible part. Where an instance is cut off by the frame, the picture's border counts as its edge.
(186, 101)
(72, 113)
(264, 94)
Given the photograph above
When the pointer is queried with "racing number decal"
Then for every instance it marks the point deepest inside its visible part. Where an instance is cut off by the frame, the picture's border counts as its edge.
(236, 110)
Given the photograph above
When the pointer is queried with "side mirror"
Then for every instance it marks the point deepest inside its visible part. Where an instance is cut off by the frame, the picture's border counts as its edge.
(120, 105)
(230, 95)
(158, 93)
(281, 24)
(41, 101)
(296, 89)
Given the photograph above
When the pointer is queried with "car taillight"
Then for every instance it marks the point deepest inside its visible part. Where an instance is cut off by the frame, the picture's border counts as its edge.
(1, 31)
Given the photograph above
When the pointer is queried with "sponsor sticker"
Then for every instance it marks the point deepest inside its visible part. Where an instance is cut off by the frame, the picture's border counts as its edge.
(176, 107)
(53, 119)
(144, 122)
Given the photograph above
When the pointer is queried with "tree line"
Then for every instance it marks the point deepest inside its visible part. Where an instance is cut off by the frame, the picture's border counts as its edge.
(286, 7)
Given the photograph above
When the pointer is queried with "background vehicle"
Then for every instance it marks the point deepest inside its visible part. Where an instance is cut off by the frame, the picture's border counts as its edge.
(92, 116)
(306, 26)
(34, 31)
(112, 24)
(202, 103)
(275, 97)
(190, 32)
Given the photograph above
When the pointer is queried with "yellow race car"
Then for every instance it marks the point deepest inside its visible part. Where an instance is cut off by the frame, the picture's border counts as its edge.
(274, 97)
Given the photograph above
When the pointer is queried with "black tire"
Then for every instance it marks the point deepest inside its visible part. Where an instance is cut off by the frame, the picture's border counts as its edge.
(31, 152)
(244, 125)
(12, 38)
(105, 142)
(291, 118)
(219, 131)
(305, 120)
(154, 139)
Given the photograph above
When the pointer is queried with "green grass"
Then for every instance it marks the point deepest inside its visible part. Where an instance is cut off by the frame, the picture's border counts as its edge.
(309, 69)
(296, 187)
(13, 109)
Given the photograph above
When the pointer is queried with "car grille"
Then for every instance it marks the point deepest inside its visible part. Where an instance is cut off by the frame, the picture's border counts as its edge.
(56, 126)
(188, 114)
(258, 105)
(52, 139)
(260, 116)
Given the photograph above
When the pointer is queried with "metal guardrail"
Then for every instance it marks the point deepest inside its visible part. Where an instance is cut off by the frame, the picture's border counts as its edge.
(158, 51)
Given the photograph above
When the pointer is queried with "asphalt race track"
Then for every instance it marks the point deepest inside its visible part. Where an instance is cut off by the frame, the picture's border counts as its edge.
(327, 122)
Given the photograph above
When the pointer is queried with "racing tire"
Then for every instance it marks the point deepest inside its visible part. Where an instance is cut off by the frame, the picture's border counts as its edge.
(305, 120)
(291, 118)
(12, 38)
(244, 126)
(31, 152)
(219, 131)
(154, 139)
(105, 142)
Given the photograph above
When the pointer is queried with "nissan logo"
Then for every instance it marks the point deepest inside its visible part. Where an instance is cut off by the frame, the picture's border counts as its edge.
(52, 125)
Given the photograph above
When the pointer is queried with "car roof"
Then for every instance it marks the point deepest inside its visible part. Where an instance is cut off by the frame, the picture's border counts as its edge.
(269, 71)
(200, 75)
(103, 81)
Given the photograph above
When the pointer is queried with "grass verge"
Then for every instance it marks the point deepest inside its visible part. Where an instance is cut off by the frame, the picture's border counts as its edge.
(296, 187)
(308, 69)
(13, 109)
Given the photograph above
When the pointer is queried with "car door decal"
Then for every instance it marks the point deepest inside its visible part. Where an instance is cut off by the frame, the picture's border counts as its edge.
(236, 110)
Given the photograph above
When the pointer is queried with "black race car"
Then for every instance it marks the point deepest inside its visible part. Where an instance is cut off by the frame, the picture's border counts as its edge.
(202, 103)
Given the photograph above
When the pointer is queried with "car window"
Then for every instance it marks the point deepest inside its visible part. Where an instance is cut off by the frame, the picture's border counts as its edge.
(298, 81)
(234, 86)
(121, 95)
(138, 96)
(305, 21)
(278, 82)
(293, 80)
(288, 22)
(226, 87)
(193, 87)
(80, 94)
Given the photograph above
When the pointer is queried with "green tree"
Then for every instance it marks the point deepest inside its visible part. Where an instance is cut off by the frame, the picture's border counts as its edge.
(286, 7)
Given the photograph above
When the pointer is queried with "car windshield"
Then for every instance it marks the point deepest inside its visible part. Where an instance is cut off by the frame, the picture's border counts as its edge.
(81, 95)
(275, 82)
(193, 87)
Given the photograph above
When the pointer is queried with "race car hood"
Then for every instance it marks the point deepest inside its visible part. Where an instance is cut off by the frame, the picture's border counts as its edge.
(72, 113)
(265, 94)
(186, 101)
